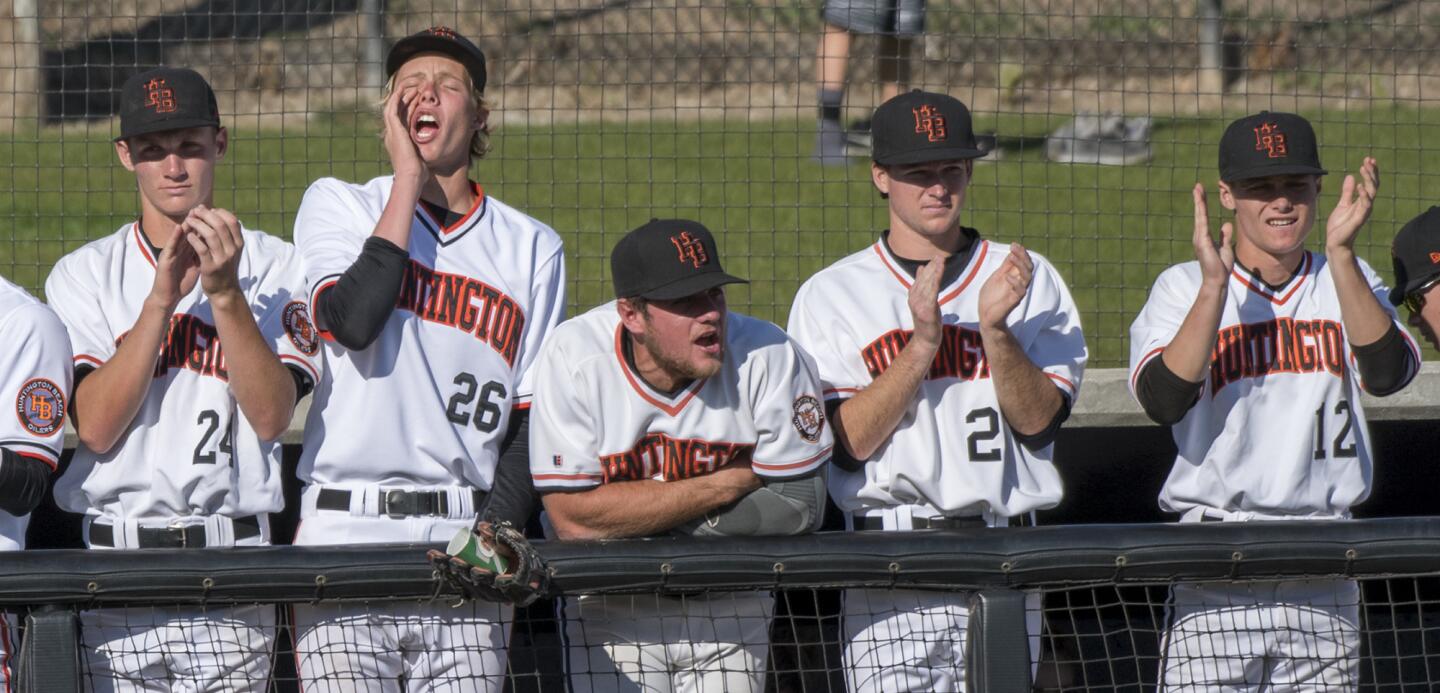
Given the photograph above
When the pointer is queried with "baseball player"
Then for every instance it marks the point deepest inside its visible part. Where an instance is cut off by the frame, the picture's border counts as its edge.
(432, 298)
(662, 412)
(35, 377)
(1256, 354)
(192, 345)
(949, 363)
(1416, 257)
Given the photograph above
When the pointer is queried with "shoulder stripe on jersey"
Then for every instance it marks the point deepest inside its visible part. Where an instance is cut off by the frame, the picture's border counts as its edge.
(584, 476)
(50, 462)
(794, 465)
(1062, 380)
(309, 367)
(1135, 374)
(86, 358)
(142, 243)
(673, 408)
(322, 286)
(840, 391)
(1265, 291)
(29, 443)
(975, 262)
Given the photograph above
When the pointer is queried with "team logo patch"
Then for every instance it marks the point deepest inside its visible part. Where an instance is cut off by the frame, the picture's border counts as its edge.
(809, 418)
(1270, 140)
(159, 97)
(689, 249)
(41, 407)
(300, 329)
(1435, 258)
(930, 123)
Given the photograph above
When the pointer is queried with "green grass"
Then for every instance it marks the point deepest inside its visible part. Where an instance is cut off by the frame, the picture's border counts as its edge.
(1109, 230)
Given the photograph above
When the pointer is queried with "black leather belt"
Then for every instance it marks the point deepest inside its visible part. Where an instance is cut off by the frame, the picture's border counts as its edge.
(188, 537)
(874, 522)
(397, 503)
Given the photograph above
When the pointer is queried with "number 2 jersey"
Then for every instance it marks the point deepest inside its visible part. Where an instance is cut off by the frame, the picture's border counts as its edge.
(428, 402)
(596, 421)
(952, 450)
(35, 372)
(1278, 429)
(189, 449)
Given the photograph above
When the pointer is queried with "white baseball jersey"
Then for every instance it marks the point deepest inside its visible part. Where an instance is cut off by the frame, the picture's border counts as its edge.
(428, 402)
(35, 374)
(952, 452)
(1278, 429)
(189, 450)
(596, 421)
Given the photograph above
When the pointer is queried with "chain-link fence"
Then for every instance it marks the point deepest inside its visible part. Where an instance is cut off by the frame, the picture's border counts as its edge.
(1103, 114)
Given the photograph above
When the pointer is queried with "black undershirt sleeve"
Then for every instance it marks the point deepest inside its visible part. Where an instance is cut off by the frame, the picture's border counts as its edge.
(1386, 365)
(839, 455)
(23, 481)
(81, 371)
(356, 308)
(303, 384)
(512, 495)
(1044, 438)
(1165, 396)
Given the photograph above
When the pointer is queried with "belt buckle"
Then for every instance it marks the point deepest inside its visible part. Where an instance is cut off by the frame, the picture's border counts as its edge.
(175, 529)
(394, 503)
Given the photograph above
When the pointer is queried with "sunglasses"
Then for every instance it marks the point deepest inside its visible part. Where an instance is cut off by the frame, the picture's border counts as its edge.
(1415, 300)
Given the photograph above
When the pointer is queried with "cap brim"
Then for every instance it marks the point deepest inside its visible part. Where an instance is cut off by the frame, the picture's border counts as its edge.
(1277, 170)
(412, 46)
(922, 156)
(166, 126)
(691, 285)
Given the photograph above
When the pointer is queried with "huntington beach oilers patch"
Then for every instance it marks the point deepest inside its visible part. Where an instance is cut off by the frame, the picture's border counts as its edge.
(809, 418)
(41, 407)
(299, 328)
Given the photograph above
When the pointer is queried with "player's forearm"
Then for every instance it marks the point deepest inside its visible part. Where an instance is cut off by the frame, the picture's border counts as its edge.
(394, 224)
(864, 422)
(639, 508)
(1188, 353)
(1365, 321)
(108, 399)
(1027, 397)
(263, 389)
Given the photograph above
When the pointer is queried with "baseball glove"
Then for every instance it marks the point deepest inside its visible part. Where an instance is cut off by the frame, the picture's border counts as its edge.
(525, 578)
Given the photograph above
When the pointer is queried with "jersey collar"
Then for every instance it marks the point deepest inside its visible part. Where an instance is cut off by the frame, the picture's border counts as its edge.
(671, 404)
(1276, 295)
(147, 251)
(947, 293)
(445, 235)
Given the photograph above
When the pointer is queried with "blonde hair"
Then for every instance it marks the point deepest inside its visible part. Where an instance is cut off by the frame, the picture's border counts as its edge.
(479, 142)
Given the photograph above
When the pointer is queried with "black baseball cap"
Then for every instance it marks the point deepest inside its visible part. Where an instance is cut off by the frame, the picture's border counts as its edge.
(166, 98)
(1416, 254)
(1269, 144)
(920, 126)
(666, 259)
(439, 39)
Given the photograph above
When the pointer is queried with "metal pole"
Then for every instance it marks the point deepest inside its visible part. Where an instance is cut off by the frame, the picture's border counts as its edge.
(1212, 52)
(372, 14)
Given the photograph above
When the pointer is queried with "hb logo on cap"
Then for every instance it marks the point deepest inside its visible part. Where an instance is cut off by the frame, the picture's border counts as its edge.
(929, 122)
(159, 97)
(689, 249)
(1269, 139)
(442, 31)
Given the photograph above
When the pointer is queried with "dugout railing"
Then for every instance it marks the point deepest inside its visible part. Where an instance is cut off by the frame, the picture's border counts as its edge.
(1104, 590)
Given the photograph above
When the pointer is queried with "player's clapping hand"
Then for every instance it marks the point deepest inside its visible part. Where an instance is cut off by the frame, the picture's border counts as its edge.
(924, 303)
(1006, 288)
(214, 236)
(1216, 259)
(176, 270)
(405, 160)
(1357, 199)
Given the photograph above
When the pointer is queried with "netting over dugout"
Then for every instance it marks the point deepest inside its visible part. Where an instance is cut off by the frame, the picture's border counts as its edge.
(610, 112)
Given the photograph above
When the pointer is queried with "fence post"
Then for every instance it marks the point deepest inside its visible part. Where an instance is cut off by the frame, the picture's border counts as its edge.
(22, 102)
(1212, 48)
(49, 659)
(372, 40)
(997, 657)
